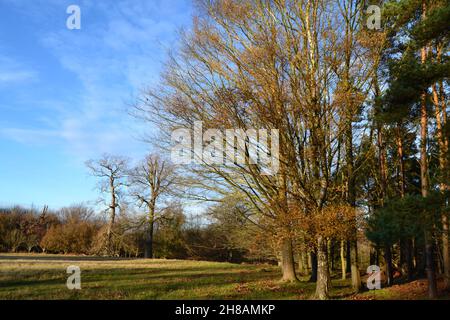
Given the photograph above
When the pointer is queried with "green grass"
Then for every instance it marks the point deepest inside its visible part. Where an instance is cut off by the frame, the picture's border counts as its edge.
(44, 277)
(24, 276)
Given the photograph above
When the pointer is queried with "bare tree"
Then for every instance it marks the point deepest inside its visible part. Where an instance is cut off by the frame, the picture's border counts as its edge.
(111, 170)
(265, 65)
(151, 181)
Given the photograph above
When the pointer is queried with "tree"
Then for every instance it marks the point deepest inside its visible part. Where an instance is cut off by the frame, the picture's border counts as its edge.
(74, 233)
(111, 170)
(273, 65)
(170, 234)
(151, 181)
(415, 27)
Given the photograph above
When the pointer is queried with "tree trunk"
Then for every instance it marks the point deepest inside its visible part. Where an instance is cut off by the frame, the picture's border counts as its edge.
(356, 277)
(383, 166)
(446, 250)
(301, 266)
(323, 273)
(439, 263)
(303, 262)
(373, 255)
(287, 252)
(409, 259)
(377, 256)
(148, 252)
(401, 161)
(440, 113)
(421, 262)
(406, 246)
(351, 199)
(331, 254)
(287, 261)
(343, 261)
(112, 217)
(313, 277)
(348, 257)
(432, 287)
(388, 261)
(431, 274)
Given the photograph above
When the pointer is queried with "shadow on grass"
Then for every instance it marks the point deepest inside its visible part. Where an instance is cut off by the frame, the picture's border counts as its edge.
(61, 258)
(160, 279)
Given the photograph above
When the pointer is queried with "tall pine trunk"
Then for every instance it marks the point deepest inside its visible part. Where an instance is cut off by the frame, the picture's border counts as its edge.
(401, 160)
(389, 268)
(431, 276)
(406, 245)
(441, 116)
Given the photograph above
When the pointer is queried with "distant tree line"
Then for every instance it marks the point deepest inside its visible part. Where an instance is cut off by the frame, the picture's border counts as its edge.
(79, 230)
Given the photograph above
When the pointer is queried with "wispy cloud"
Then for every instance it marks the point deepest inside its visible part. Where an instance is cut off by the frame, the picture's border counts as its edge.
(12, 72)
(64, 92)
(113, 56)
(29, 136)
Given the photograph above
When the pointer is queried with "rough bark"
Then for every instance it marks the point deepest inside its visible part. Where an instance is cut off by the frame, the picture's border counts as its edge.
(303, 262)
(287, 261)
(406, 245)
(401, 160)
(431, 274)
(331, 254)
(356, 277)
(112, 216)
(313, 277)
(432, 287)
(348, 257)
(323, 275)
(148, 252)
(389, 268)
(443, 168)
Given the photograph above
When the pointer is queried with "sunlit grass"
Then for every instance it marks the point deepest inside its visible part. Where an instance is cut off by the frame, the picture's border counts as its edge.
(44, 277)
(35, 277)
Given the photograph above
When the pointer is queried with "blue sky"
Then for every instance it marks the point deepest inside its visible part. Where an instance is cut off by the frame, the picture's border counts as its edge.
(63, 93)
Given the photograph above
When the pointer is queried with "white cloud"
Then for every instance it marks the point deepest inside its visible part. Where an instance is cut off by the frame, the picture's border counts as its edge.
(16, 76)
(29, 136)
(114, 54)
(12, 72)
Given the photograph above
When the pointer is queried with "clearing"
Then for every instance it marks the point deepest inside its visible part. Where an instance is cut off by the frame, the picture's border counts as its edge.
(41, 276)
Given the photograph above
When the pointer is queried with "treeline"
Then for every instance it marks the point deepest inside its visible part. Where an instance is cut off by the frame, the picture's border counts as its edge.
(79, 230)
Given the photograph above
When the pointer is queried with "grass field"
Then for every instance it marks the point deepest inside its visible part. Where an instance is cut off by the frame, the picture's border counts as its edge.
(40, 276)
